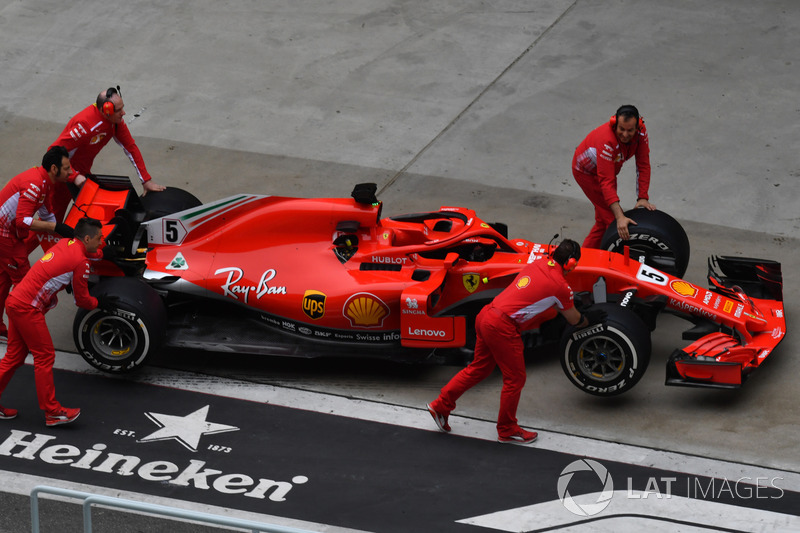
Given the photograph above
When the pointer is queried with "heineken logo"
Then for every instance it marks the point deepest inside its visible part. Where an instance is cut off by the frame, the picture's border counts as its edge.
(186, 430)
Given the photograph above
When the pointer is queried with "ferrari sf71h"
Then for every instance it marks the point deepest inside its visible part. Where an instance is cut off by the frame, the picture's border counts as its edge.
(328, 276)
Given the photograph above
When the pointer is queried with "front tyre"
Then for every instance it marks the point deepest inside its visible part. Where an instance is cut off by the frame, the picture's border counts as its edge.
(657, 239)
(609, 358)
(121, 340)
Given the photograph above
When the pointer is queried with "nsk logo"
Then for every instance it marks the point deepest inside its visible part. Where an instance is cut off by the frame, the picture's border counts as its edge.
(24, 445)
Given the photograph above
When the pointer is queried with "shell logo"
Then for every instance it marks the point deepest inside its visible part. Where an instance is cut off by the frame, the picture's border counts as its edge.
(684, 288)
(365, 310)
(47, 257)
(523, 282)
(97, 138)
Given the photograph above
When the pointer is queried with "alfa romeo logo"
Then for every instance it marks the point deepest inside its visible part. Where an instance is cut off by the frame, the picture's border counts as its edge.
(604, 480)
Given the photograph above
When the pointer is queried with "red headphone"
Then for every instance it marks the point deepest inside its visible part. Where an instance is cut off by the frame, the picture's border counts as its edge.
(628, 110)
(613, 122)
(570, 263)
(108, 108)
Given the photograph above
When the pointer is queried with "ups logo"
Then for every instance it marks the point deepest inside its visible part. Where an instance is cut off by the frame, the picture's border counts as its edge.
(314, 304)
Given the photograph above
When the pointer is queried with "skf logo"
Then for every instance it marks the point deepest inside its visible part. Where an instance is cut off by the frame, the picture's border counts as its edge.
(47, 257)
(314, 304)
(471, 282)
(365, 310)
(523, 282)
(684, 288)
(97, 138)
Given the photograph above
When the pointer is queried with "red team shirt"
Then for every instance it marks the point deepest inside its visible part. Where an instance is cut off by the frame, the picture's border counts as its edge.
(88, 132)
(25, 195)
(538, 287)
(63, 264)
(602, 154)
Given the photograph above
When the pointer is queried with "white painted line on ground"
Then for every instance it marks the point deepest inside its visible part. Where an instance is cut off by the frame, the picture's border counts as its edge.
(655, 514)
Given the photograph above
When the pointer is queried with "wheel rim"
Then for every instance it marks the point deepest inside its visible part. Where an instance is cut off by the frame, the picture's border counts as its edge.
(601, 359)
(114, 337)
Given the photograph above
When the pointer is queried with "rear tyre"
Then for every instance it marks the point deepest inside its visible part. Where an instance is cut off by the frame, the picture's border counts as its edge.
(122, 339)
(171, 200)
(609, 358)
(657, 239)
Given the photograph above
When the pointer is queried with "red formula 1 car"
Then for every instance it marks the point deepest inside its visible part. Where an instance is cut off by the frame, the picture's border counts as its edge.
(320, 276)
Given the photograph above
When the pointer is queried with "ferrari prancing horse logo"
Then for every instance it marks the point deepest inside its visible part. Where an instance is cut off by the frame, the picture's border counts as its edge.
(471, 281)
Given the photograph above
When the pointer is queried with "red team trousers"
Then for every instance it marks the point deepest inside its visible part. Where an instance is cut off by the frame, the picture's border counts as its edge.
(603, 216)
(498, 344)
(28, 323)
(12, 270)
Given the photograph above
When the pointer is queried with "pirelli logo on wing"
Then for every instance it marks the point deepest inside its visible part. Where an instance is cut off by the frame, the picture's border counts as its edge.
(314, 304)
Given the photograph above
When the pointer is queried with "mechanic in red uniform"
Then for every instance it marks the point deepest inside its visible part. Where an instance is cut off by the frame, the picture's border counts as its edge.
(64, 263)
(598, 160)
(540, 286)
(87, 133)
(26, 195)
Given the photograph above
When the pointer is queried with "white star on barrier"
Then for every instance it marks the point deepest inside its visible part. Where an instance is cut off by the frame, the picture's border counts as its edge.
(185, 429)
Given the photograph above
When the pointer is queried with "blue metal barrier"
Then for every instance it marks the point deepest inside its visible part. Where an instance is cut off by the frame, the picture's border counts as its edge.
(173, 512)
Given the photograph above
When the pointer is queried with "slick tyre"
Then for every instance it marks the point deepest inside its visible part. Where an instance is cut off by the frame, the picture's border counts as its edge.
(171, 200)
(120, 340)
(657, 240)
(609, 358)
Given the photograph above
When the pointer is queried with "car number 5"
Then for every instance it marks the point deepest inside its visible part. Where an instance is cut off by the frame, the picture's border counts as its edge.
(651, 275)
(171, 231)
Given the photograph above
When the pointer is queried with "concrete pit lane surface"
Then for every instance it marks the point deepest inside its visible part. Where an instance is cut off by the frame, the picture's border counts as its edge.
(448, 103)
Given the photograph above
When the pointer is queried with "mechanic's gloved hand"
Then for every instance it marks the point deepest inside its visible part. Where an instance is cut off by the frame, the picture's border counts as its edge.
(595, 316)
(108, 303)
(65, 230)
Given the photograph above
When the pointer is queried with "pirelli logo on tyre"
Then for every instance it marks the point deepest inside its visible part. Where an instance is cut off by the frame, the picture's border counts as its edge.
(314, 304)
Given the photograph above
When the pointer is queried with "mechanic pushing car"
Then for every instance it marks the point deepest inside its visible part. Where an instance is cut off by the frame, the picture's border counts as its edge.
(87, 133)
(597, 162)
(539, 287)
(36, 294)
(26, 195)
